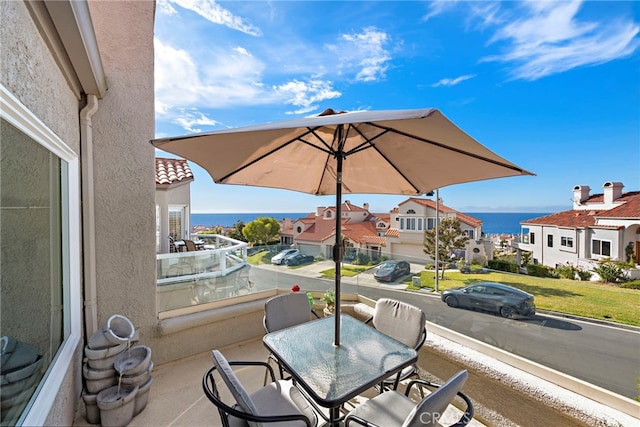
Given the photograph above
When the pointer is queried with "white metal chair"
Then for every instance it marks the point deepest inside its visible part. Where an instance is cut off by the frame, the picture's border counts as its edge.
(394, 409)
(278, 403)
(284, 311)
(403, 322)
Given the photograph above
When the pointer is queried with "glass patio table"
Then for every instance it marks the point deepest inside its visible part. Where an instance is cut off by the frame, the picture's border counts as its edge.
(332, 375)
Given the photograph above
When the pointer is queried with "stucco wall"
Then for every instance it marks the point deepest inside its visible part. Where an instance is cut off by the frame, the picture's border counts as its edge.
(30, 73)
(124, 181)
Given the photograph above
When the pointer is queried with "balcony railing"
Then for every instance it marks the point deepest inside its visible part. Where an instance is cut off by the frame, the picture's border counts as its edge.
(189, 278)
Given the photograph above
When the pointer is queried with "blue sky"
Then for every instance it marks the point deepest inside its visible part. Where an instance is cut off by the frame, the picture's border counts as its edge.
(551, 86)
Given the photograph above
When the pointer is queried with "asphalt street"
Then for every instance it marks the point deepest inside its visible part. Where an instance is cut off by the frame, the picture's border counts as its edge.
(599, 353)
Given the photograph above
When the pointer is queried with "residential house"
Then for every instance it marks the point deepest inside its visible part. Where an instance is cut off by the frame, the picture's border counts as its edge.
(315, 233)
(405, 236)
(399, 233)
(605, 225)
(173, 201)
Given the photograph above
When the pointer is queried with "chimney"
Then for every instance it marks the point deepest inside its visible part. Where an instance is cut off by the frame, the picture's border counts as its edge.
(320, 210)
(365, 206)
(612, 191)
(580, 194)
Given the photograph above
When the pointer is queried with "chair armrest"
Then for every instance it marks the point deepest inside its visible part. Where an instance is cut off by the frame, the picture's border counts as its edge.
(255, 363)
(359, 420)
(210, 390)
(316, 315)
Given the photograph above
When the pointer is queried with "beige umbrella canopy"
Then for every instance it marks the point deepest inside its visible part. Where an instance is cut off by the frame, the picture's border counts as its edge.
(408, 152)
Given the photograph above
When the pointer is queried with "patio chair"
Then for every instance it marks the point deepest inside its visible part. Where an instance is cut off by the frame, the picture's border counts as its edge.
(278, 402)
(190, 245)
(405, 323)
(284, 311)
(392, 408)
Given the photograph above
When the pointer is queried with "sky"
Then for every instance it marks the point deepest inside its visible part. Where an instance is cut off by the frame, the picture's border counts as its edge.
(553, 87)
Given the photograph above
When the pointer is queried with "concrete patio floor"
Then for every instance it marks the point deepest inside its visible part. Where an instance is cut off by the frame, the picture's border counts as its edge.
(176, 397)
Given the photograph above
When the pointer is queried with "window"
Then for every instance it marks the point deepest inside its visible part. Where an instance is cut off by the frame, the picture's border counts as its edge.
(469, 233)
(40, 272)
(431, 223)
(177, 223)
(401, 223)
(550, 240)
(532, 238)
(411, 212)
(411, 223)
(566, 242)
(601, 247)
(419, 224)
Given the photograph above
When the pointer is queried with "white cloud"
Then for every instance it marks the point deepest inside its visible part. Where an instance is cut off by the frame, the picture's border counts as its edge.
(216, 14)
(306, 94)
(364, 52)
(453, 82)
(220, 80)
(190, 118)
(438, 7)
(551, 39)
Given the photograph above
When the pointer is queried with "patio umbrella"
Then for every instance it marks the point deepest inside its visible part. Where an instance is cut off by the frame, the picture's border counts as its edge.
(407, 152)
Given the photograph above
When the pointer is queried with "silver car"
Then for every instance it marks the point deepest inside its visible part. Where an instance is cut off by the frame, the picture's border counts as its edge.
(282, 255)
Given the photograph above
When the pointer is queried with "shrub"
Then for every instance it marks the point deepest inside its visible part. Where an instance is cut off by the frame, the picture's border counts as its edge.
(610, 271)
(496, 264)
(537, 270)
(362, 259)
(567, 271)
(480, 260)
(583, 274)
(634, 284)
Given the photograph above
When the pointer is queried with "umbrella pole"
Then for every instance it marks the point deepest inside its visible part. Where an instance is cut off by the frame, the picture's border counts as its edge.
(337, 249)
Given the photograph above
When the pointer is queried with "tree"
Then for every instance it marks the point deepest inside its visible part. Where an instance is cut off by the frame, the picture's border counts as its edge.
(236, 231)
(262, 230)
(450, 238)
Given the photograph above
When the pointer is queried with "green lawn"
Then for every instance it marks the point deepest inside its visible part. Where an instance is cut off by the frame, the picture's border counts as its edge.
(587, 299)
(345, 270)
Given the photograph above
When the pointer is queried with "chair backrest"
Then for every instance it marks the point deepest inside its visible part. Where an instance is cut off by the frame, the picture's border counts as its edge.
(172, 245)
(401, 321)
(190, 245)
(234, 385)
(285, 310)
(428, 412)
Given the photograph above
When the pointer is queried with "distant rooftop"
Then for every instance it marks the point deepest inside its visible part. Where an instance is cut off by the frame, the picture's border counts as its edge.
(172, 171)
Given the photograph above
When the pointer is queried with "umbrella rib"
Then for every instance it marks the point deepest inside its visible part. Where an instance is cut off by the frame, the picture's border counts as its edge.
(446, 147)
(291, 141)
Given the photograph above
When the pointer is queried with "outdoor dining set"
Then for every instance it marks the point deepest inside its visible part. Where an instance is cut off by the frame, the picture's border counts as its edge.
(320, 383)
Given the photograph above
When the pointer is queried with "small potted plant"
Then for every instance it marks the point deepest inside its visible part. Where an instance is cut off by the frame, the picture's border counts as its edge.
(329, 299)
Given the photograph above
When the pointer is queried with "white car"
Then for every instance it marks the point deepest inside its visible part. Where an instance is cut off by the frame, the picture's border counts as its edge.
(281, 256)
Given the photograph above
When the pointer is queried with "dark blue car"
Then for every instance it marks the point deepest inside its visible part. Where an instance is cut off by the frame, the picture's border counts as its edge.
(508, 301)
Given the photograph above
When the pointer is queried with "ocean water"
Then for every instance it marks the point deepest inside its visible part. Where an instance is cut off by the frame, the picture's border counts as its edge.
(492, 222)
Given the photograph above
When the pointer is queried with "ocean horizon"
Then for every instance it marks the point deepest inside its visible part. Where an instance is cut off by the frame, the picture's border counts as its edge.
(492, 222)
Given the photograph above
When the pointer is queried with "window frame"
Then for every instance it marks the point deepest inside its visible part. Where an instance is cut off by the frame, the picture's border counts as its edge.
(19, 116)
(600, 254)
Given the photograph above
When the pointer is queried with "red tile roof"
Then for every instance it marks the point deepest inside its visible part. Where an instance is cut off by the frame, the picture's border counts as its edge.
(171, 171)
(588, 218)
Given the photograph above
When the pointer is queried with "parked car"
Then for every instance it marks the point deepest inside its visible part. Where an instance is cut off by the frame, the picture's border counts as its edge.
(391, 270)
(298, 259)
(280, 257)
(508, 301)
